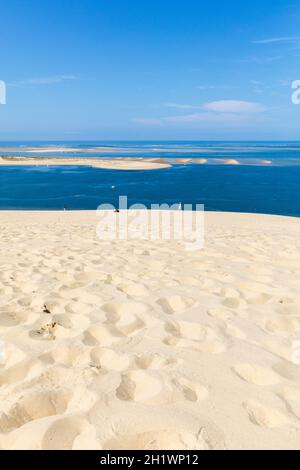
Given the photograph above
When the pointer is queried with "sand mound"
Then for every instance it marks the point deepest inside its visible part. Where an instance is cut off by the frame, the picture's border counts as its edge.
(142, 344)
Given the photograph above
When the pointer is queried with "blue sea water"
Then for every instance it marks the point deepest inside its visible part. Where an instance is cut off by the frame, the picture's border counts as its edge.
(248, 187)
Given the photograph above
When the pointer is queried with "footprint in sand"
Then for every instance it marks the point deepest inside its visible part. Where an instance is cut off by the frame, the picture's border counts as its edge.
(53, 306)
(114, 279)
(129, 324)
(46, 332)
(108, 359)
(8, 290)
(77, 293)
(71, 433)
(64, 376)
(75, 323)
(26, 369)
(125, 317)
(188, 330)
(220, 277)
(289, 308)
(100, 334)
(34, 406)
(229, 292)
(60, 327)
(256, 375)
(155, 361)
(90, 277)
(10, 355)
(189, 281)
(77, 307)
(194, 336)
(71, 293)
(254, 293)
(280, 346)
(67, 356)
(167, 439)
(291, 396)
(288, 370)
(234, 303)
(90, 300)
(221, 314)
(133, 289)
(192, 391)
(12, 317)
(176, 304)
(28, 287)
(234, 332)
(281, 325)
(138, 386)
(115, 310)
(25, 302)
(259, 299)
(264, 416)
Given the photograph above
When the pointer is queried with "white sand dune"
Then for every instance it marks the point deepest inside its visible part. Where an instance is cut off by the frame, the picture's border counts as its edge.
(143, 345)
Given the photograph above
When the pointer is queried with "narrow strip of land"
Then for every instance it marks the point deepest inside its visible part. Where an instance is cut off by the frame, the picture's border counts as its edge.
(112, 163)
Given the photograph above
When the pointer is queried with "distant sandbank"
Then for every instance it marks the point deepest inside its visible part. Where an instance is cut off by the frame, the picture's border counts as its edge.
(113, 163)
(121, 163)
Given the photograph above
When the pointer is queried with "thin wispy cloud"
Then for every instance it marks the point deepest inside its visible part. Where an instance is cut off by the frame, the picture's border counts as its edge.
(148, 121)
(214, 87)
(277, 40)
(194, 119)
(204, 117)
(261, 60)
(234, 106)
(206, 87)
(270, 87)
(224, 106)
(286, 82)
(39, 81)
(257, 82)
(259, 86)
(223, 111)
(182, 106)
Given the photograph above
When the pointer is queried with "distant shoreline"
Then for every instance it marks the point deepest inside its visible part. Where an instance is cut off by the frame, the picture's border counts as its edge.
(112, 164)
(121, 163)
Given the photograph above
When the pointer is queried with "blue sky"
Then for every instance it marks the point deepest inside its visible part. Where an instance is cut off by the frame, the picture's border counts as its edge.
(116, 69)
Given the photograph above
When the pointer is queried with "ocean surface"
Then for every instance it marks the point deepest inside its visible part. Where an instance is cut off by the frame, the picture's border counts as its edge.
(251, 186)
